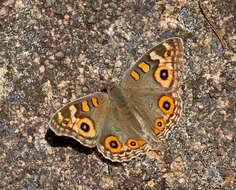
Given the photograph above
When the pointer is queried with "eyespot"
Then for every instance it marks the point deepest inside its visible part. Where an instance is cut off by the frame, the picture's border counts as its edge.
(134, 144)
(160, 125)
(168, 54)
(66, 122)
(86, 128)
(113, 144)
(164, 76)
(166, 104)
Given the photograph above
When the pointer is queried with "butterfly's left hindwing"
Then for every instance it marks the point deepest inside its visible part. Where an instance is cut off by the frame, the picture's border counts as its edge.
(82, 119)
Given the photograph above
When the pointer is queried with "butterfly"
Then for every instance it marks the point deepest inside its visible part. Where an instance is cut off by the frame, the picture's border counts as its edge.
(133, 115)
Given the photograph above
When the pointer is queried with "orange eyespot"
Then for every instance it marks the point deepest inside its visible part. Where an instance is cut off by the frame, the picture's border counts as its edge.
(160, 125)
(164, 76)
(134, 144)
(67, 122)
(86, 128)
(113, 144)
(168, 55)
(166, 104)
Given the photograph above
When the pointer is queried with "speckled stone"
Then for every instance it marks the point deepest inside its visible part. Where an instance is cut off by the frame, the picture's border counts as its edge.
(52, 52)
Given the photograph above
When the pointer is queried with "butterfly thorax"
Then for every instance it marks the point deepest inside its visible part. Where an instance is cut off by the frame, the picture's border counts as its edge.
(118, 96)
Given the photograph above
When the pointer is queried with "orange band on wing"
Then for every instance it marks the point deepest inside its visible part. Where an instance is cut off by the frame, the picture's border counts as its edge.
(135, 75)
(95, 101)
(144, 66)
(85, 106)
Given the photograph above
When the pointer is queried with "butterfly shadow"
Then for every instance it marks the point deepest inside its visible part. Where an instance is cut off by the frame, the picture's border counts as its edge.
(63, 141)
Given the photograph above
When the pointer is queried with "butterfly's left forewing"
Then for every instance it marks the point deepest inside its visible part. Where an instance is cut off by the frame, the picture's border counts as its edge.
(82, 119)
